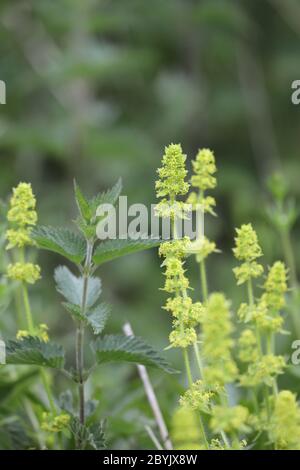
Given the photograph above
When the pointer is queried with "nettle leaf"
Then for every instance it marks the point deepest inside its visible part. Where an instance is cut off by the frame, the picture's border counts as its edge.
(113, 249)
(60, 240)
(33, 351)
(82, 203)
(119, 348)
(96, 317)
(74, 310)
(108, 197)
(71, 287)
(91, 437)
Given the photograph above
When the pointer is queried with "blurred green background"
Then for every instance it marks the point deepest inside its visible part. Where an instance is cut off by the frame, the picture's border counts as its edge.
(97, 88)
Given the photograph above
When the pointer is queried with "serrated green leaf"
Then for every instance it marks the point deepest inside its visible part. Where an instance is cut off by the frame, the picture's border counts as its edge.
(119, 348)
(82, 203)
(97, 317)
(33, 351)
(71, 287)
(113, 249)
(108, 197)
(60, 240)
(91, 437)
(74, 310)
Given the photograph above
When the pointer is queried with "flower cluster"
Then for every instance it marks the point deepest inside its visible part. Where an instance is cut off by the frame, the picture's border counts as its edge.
(284, 428)
(229, 419)
(22, 216)
(217, 342)
(55, 424)
(171, 182)
(24, 272)
(204, 167)
(201, 248)
(276, 287)
(265, 370)
(185, 431)
(200, 396)
(40, 332)
(186, 314)
(248, 347)
(247, 250)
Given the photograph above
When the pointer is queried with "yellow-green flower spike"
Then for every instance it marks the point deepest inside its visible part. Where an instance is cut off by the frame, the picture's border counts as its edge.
(276, 286)
(200, 396)
(185, 432)
(18, 238)
(228, 419)
(24, 272)
(284, 429)
(247, 247)
(263, 371)
(204, 167)
(22, 206)
(217, 342)
(172, 174)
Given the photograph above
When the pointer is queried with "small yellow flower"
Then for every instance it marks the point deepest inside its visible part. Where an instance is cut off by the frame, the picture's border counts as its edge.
(263, 371)
(200, 396)
(276, 286)
(183, 337)
(204, 167)
(246, 244)
(22, 206)
(172, 174)
(25, 272)
(40, 332)
(18, 238)
(284, 428)
(55, 424)
(229, 419)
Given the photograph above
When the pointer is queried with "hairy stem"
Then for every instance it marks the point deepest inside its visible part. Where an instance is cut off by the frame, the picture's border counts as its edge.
(80, 335)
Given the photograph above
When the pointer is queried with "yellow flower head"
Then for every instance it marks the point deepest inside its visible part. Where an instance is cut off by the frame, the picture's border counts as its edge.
(25, 272)
(246, 244)
(263, 371)
(285, 422)
(18, 238)
(172, 174)
(55, 424)
(22, 206)
(200, 396)
(229, 419)
(217, 342)
(204, 168)
(40, 332)
(185, 432)
(276, 286)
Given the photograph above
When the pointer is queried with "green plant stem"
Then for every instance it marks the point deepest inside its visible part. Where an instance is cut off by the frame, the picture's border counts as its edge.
(203, 277)
(29, 318)
(265, 389)
(198, 359)
(80, 335)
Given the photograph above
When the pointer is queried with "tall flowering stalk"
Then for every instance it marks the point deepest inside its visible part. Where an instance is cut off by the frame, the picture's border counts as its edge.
(186, 314)
(22, 217)
(263, 319)
(203, 179)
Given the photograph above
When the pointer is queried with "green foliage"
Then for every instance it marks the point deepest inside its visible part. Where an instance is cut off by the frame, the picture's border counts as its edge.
(33, 351)
(118, 348)
(71, 287)
(61, 241)
(95, 317)
(113, 249)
